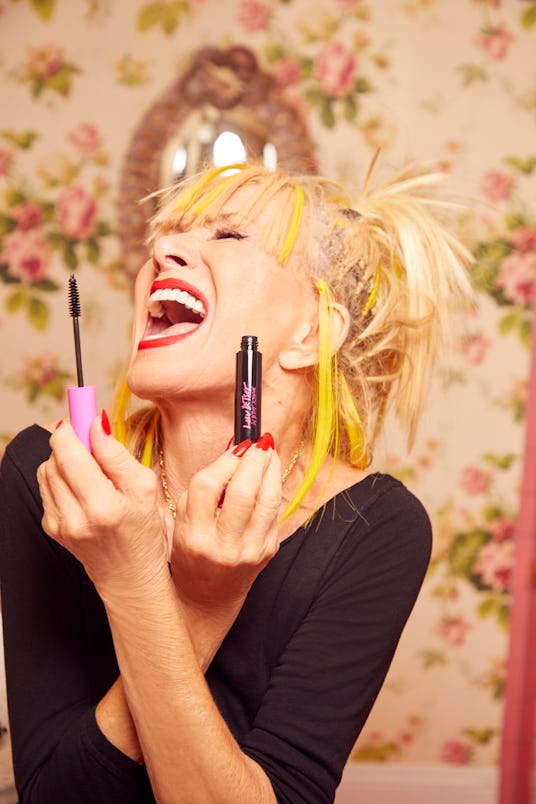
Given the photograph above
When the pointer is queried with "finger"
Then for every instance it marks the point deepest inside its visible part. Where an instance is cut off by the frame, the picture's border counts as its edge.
(243, 490)
(117, 463)
(264, 521)
(200, 503)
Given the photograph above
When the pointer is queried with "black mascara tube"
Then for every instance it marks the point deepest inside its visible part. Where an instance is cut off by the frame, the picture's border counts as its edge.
(248, 391)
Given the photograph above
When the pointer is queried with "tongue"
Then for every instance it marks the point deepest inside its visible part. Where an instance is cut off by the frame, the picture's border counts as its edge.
(163, 328)
(178, 313)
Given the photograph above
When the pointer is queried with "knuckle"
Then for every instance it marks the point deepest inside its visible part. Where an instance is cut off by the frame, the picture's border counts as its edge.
(205, 481)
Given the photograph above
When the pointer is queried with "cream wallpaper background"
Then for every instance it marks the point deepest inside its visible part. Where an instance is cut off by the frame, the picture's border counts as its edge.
(447, 81)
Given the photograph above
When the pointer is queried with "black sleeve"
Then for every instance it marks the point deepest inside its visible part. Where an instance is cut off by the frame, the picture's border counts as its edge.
(328, 677)
(59, 753)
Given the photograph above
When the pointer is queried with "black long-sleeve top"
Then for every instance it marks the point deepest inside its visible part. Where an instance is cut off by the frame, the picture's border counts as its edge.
(294, 679)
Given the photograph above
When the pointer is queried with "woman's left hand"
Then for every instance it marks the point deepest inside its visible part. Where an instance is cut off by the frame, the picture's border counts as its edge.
(219, 548)
(103, 508)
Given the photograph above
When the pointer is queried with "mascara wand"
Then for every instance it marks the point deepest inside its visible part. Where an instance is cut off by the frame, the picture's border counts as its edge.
(81, 398)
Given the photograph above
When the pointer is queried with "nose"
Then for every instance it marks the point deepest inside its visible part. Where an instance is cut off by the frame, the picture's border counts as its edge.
(174, 250)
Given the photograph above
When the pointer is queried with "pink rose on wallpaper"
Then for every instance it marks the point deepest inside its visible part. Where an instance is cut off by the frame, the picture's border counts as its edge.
(475, 480)
(287, 72)
(495, 42)
(474, 348)
(456, 752)
(495, 564)
(524, 239)
(6, 158)
(45, 62)
(453, 630)
(76, 211)
(40, 370)
(27, 215)
(517, 275)
(27, 255)
(253, 15)
(335, 69)
(85, 138)
(348, 5)
(503, 529)
(496, 185)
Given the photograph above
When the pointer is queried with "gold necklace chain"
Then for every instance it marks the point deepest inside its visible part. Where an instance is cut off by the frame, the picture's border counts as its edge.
(172, 505)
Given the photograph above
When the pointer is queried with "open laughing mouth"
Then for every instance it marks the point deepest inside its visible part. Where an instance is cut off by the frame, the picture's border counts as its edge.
(176, 310)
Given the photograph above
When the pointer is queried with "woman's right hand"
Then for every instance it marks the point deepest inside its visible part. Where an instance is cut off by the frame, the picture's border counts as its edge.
(219, 547)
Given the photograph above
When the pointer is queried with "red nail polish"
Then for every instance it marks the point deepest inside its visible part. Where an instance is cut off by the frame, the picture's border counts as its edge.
(242, 448)
(105, 421)
(59, 424)
(231, 440)
(265, 442)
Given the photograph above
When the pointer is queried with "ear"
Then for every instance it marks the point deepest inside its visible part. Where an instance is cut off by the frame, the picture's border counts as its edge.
(302, 352)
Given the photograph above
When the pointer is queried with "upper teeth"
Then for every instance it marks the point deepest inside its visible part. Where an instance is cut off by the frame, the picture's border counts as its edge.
(173, 294)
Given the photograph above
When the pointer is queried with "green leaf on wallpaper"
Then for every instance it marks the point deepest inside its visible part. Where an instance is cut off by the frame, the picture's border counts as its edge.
(14, 197)
(6, 225)
(350, 108)
(377, 752)
(60, 82)
(512, 321)
(22, 139)
(488, 257)
(327, 116)
(273, 52)
(314, 96)
(15, 301)
(432, 658)
(44, 8)
(92, 251)
(103, 229)
(362, 85)
(6, 277)
(471, 73)
(500, 461)
(523, 165)
(46, 285)
(165, 15)
(464, 550)
(494, 605)
(481, 736)
(525, 331)
(69, 256)
(528, 18)
(37, 313)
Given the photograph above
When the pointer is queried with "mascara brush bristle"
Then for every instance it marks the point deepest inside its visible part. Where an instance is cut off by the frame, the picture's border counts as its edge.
(74, 298)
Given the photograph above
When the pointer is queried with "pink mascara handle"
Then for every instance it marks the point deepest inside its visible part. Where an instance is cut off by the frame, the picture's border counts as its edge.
(82, 409)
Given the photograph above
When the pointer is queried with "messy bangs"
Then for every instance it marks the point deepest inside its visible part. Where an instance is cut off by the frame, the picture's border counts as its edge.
(200, 200)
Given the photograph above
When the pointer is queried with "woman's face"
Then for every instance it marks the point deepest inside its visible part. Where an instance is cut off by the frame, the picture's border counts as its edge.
(203, 290)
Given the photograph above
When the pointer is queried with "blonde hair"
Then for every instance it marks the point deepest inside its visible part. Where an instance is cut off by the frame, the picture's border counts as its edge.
(386, 256)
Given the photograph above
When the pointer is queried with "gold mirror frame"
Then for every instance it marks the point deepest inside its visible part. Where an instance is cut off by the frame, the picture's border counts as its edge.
(226, 80)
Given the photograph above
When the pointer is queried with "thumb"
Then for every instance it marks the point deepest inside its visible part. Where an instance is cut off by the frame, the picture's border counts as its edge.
(115, 461)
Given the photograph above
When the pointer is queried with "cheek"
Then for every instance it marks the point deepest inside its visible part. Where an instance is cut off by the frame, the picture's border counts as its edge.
(142, 284)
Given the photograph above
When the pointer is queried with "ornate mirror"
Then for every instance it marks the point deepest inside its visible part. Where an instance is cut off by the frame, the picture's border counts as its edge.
(221, 109)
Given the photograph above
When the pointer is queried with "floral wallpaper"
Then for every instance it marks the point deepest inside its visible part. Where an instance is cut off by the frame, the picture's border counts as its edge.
(444, 82)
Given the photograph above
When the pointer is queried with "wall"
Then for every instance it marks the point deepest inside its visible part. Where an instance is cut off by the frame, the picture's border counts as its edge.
(440, 81)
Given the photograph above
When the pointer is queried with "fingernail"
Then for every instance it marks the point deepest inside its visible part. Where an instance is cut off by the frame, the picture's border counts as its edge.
(242, 448)
(105, 421)
(231, 441)
(59, 424)
(265, 442)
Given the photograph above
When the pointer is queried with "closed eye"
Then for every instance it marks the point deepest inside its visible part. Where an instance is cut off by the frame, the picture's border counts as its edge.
(228, 234)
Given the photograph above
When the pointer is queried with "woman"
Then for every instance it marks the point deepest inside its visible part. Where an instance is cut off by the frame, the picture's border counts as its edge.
(197, 620)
